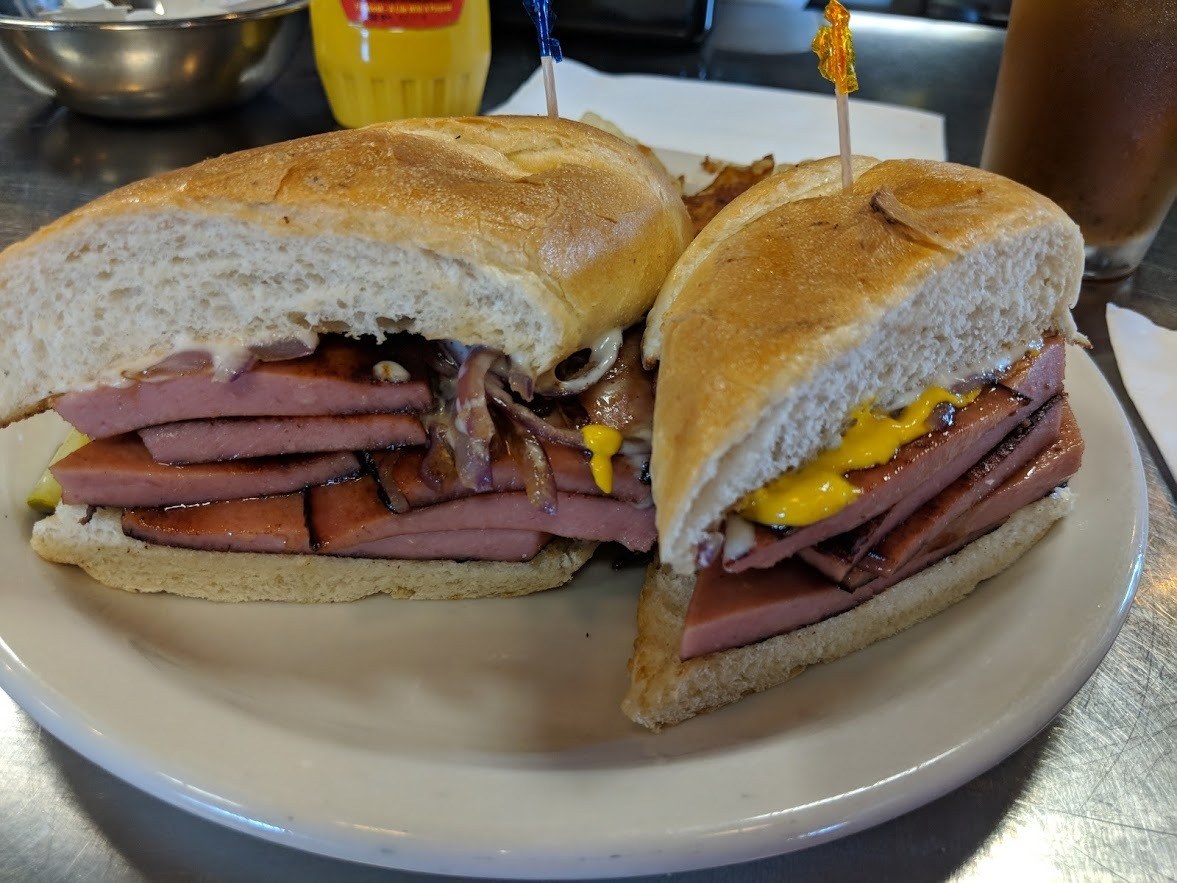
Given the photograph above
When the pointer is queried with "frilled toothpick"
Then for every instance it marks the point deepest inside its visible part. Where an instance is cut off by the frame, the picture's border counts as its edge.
(549, 48)
(835, 59)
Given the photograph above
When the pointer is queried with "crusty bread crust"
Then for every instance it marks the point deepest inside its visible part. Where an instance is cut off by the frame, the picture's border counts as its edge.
(921, 273)
(818, 177)
(531, 235)
(101, 549)
(664, 690)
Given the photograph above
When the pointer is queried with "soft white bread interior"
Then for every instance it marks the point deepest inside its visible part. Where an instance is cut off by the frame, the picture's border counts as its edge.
(531, 235)
(922, 273)
(666, 690)
(100, 548)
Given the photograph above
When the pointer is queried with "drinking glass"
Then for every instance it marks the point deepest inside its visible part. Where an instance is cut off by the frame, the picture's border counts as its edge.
(1085, 112)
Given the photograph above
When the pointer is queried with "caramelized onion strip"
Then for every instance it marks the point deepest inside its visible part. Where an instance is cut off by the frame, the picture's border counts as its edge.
(471, 415)
(437, 466)
(538, 478)
(535, 424)
(601, 358)
(472, 459)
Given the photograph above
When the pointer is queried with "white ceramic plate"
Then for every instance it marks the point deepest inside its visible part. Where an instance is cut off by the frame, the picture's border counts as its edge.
(484, 738)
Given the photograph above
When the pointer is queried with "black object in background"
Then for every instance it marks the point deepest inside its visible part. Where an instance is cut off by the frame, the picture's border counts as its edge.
(685, 21)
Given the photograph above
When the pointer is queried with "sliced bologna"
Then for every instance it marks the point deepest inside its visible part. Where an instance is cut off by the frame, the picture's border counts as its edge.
(570, 467)
(348, 515)
(921, 469)
(278, 525)
(236, 438)
(119, 472)
(735, 609)
(336, 379)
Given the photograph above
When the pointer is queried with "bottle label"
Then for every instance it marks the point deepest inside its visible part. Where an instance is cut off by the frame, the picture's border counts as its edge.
(408, 14)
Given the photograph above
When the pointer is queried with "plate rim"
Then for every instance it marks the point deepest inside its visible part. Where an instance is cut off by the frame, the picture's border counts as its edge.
(69, 722)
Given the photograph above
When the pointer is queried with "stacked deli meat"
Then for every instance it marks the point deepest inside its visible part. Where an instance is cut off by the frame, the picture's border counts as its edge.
(407, 449)
(882, 424)
(390, 359)
(973, 468)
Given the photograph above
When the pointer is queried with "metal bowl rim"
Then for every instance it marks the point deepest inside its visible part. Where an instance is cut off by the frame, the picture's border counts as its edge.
(17, 23)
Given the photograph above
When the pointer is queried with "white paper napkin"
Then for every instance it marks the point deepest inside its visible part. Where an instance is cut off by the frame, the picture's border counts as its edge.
(731, 122)
(1147, 357)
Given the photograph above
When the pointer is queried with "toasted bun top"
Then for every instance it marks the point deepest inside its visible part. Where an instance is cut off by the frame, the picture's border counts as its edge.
(923, 272)
(531, 235)
(789, 183)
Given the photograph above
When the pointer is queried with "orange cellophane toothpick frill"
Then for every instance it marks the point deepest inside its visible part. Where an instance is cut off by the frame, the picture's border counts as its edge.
(834, 46)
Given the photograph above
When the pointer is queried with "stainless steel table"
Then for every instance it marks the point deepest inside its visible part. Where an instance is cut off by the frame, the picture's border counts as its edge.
(1094, 796)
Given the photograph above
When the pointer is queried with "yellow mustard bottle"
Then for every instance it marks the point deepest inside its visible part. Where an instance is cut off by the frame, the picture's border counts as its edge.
(392, 59)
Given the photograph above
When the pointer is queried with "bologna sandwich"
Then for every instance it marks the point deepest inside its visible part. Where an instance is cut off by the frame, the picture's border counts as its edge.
(879, 425)
(395, 359)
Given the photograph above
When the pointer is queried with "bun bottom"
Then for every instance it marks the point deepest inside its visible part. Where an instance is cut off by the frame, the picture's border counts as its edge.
(665, 690)
(101, 549)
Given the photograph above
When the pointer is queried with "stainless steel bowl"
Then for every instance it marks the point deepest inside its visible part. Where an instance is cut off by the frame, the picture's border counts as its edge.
(152, 69)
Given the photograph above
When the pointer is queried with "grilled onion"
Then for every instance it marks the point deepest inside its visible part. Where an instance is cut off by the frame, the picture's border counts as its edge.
(471, 416)
(535, 424)
(437, 466)
(472, 459)
(709, 547)
(624, 396)
(232, 364)
(601, 358)
(538, 478)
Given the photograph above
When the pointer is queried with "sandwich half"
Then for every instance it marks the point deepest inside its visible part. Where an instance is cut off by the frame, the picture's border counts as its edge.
(398, 359)
(878, 425)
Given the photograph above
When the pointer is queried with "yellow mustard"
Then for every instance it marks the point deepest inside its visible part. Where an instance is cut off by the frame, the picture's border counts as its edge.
(385, 59)
(603, 442)
(819, 488)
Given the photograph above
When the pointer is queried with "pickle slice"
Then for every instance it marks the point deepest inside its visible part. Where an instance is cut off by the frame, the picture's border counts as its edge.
(46, 493)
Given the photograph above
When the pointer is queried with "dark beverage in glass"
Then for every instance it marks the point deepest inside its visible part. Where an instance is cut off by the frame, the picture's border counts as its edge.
(1085, 113)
